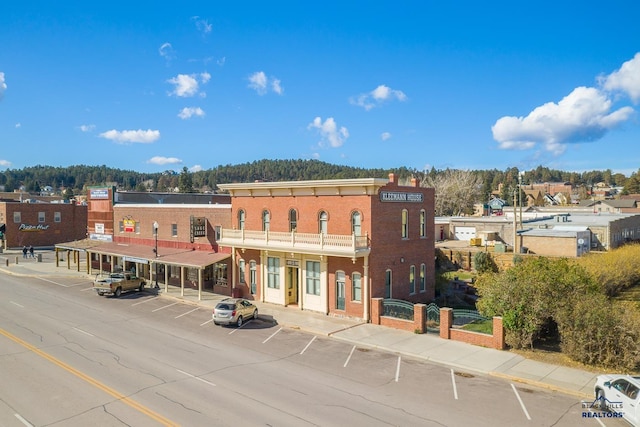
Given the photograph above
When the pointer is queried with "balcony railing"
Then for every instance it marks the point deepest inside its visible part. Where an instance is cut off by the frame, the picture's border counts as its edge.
(331, 244)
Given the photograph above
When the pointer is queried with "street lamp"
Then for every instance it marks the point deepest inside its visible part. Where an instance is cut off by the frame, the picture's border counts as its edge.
(155, 250)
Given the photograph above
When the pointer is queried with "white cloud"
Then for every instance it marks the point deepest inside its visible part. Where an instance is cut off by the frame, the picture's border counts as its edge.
(167, 52)
(132, 136)
(18, 125)
(276, 87)
(195, 168)
(5, 163)
(87, 128)
(329, 132)
(188, 112)
(159, 160)
(202, 25)
(259, 82)
(582, 116)
(626, 79)
(385, 135)
(187, 85)
(377, 96)
(3, 85)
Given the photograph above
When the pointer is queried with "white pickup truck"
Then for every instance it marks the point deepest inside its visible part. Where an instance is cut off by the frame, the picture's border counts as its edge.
(116, 283)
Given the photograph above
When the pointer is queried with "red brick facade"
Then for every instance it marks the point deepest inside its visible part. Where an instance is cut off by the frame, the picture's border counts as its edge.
(42, 224)
(389, 253)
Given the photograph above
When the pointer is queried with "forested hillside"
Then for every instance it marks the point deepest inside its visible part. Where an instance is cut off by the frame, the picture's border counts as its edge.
(78, 177)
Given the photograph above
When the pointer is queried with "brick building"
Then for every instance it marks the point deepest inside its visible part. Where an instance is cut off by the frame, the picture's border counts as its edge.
(332, 245)
(41, 224)
(169, 238)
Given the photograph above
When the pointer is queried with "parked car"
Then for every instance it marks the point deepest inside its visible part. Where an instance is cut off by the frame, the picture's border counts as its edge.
(619, 393)
(116, 283)
(234, 311)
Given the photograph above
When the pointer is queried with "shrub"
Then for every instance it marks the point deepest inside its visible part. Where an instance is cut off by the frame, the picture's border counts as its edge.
(484, 263)
(598, 332)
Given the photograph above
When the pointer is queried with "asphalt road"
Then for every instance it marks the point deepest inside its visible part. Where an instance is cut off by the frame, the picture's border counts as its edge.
(71, 358)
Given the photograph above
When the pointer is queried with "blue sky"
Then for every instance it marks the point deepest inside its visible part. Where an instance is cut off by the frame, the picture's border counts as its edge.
(151, 86)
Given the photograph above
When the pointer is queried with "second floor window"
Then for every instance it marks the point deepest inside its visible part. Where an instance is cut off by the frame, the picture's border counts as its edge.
(241, 215)
(266, 219)
(323, 220)
(174, 230)
(423, 223)
(293, 220)
(405, 224)
(41, 217)
(356, 225)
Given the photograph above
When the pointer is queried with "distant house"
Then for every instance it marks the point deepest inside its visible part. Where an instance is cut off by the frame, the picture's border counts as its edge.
(611, 206)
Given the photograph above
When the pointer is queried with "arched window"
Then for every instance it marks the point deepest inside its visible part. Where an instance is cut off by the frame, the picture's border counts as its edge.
(423, 223)
(405, 223)
(388, 277)
(241, 270)
(412, 279)
(323, 222)
(241, 217)
(266, 219)
(356, 224)
(253, 276)
(293, 220)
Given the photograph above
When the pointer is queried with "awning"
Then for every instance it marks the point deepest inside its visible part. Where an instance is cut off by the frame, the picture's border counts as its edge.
(169, 256)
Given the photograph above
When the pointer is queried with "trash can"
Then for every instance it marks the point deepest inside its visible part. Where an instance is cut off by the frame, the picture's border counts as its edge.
(39, 257)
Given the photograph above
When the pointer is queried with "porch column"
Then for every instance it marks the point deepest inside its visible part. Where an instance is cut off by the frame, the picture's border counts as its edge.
(166, 279)
(262, 275)
(199, 283)
(181, 281)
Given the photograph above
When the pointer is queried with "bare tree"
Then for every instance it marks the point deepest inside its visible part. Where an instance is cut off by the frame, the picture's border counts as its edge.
(456, 191)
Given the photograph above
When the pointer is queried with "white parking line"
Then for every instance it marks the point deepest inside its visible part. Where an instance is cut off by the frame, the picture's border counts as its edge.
(184, 314)
(86, 289)
(208, 321)
(143, 301)
(196, 378)
(349, 358)
(524, 409)
(305, 349)
(23, 421)
(271, 336)
(84, 332)
(15, 303)
(598, 420)
(56, 283)
(398, 369)
(453, 381)
(163, 307)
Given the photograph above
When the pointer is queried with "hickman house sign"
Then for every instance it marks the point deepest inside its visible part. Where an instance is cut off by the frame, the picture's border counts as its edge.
(396, 196)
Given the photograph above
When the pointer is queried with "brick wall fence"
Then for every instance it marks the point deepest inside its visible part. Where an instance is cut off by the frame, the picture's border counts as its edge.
(447, 331)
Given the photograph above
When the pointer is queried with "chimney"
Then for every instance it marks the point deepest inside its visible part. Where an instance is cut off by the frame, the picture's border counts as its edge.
(393, 178)
(414, 182)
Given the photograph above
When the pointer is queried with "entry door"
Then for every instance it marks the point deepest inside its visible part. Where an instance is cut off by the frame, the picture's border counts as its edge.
(292, 285)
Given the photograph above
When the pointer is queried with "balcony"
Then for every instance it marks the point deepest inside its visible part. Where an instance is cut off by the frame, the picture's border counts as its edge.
(341, 245)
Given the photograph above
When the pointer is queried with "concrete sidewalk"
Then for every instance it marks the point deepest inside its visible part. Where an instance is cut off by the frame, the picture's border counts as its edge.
(428, 347)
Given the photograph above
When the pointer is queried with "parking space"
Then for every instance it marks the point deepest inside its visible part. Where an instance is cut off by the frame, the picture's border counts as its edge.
(494, 400)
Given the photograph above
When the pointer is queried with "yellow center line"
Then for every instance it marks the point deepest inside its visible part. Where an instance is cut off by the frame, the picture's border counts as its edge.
(121, 397)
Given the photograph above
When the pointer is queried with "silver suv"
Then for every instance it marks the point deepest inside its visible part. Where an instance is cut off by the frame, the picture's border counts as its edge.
(234, 311)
